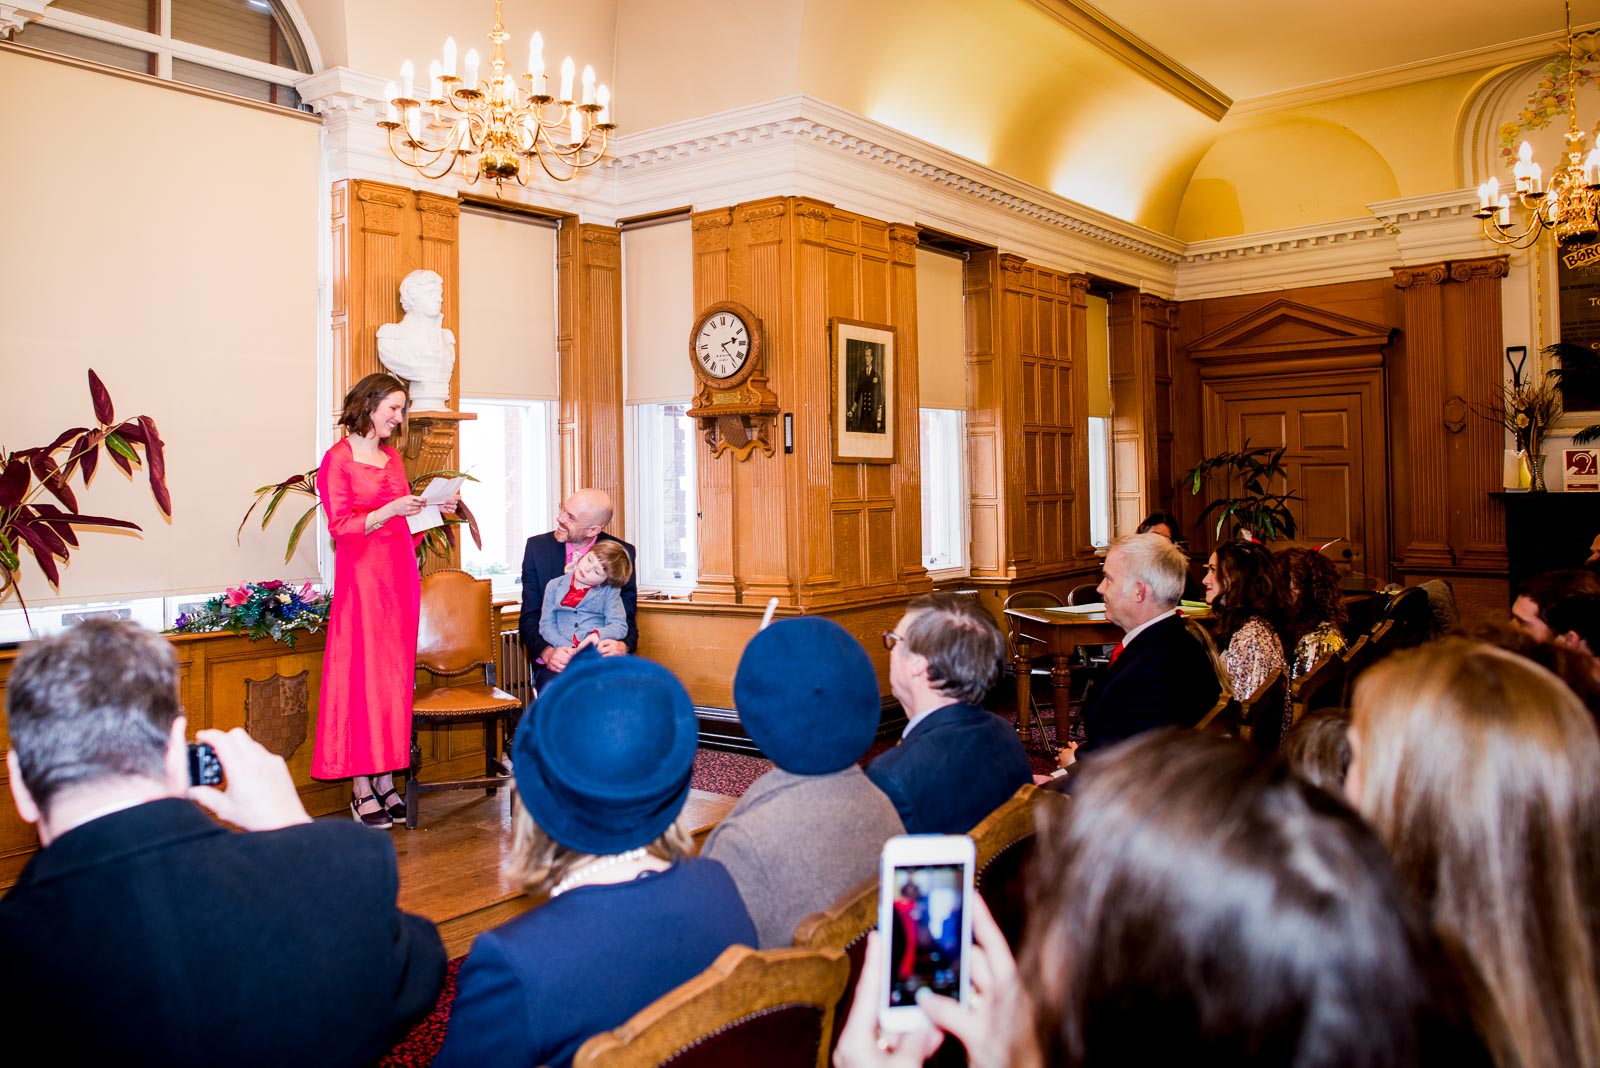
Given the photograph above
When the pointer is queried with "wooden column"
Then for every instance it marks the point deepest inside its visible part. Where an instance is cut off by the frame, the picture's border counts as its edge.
(1475, 311)
(589, 354)
(985, 417)
(1079, 544)
(1159, 319)
(1428, 501)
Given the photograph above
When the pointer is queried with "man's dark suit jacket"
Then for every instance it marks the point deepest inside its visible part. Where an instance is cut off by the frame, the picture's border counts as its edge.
(1164, 679)
(544, 559)
(954, 768)
(156, 936)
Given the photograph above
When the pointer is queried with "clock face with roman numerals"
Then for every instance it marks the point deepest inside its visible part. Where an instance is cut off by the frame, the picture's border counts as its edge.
(722, 344)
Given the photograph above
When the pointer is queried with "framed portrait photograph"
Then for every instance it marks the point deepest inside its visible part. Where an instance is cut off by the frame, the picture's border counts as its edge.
(863, 392)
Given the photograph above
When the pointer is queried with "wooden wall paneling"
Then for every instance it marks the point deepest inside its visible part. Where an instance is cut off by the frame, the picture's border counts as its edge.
(1160, 332)
(1474, 299)
(1015, 336)
(1429, 499)
(344, 283)
(985, 460)
(906, 473)
(1128, 470)
(589, 357)
(712, 244)
(1080, 547)
(761, 246)
(808, 392)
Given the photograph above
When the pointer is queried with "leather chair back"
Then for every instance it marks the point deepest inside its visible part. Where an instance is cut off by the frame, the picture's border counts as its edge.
(456, 629)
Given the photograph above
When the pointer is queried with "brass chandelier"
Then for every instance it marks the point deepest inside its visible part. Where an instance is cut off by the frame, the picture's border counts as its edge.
(1569, 205)
(494, 124)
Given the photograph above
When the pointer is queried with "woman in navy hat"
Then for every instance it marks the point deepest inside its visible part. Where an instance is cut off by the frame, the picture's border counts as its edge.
(602, 773)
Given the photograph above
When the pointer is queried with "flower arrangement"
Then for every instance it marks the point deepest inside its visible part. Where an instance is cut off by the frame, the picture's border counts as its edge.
(1527, 410)
(259, 610)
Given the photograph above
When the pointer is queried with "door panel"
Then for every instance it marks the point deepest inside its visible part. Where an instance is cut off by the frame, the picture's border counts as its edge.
(1332, 430)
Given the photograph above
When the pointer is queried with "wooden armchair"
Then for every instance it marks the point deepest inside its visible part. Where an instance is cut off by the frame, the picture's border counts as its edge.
(1261, 713)
(843, 926)
(1321, 687)
(456, 642)
(773, 1007)
(1004, 844)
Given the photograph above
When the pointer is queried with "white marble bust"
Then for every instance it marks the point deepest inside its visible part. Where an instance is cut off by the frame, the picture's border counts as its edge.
(418, 348)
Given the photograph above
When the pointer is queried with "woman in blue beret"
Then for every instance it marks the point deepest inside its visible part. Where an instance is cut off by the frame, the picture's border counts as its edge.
(602, 772)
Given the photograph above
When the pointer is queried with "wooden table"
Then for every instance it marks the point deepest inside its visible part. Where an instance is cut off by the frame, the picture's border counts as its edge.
(1058, 632)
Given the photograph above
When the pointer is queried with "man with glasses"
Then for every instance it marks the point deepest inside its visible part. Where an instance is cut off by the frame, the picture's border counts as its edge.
(956, 761)
(580, 523)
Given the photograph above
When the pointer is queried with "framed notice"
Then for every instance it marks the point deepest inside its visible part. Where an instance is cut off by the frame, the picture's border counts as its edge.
(863, 392)
(1580, 470)
(1578, 277)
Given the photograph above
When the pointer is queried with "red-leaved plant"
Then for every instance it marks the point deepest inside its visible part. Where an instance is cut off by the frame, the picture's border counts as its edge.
(46, 529)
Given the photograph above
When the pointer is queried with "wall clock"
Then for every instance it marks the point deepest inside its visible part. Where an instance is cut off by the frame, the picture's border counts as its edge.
(731, 401)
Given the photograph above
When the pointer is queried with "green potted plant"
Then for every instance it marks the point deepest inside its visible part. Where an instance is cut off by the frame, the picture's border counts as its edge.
(1578, 372)
(435, 542)
(48, 530)
(1255, 509)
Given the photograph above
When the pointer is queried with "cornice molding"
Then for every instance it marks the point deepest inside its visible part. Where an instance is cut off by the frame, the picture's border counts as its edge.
(1477, 59)
(15, 16)
(1137, 54)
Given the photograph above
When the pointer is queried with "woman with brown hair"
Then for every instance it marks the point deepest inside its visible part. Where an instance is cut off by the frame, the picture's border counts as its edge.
(1313, 608)
(1196, 904)
(1481, 772)
(1242, 591)
(369, 668)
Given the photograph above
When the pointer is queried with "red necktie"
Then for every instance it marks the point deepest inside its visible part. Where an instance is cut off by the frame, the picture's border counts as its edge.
(1116, 651)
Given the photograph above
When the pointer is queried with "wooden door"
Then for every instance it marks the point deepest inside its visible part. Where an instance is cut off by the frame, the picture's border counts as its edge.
(1333, 428)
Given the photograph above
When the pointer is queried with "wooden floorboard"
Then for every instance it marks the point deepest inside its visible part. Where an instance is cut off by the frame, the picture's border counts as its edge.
(450, 865)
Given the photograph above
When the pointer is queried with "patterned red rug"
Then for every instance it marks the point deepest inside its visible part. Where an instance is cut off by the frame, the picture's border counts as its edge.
(422, 1044)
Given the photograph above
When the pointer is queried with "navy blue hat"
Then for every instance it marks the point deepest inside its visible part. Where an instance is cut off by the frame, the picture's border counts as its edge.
(603, 758)
(807, 695)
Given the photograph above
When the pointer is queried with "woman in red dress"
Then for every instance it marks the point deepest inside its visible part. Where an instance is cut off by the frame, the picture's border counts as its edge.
(369, 669)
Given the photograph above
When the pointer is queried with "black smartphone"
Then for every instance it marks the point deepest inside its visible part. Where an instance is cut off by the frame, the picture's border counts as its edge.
(204, 767)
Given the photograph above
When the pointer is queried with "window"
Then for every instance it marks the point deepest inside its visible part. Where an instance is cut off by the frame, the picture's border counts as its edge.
(944, 492)
(509, 448)
(1099, 481)
(246, 48)
(664, 515)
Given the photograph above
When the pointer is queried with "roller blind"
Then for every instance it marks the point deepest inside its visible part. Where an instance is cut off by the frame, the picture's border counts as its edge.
(192, 292)
(1098, 391)
(658, 310)
(507, 346)
(941, 331)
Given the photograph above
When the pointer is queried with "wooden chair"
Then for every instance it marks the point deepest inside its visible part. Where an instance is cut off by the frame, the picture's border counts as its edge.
(773, 1007)
(1321, 687)
(459, 633)
(1004, 843)
(1088, 593)
(1040, 673)
(1381, 642)
(1261, 714)
(843, 925)
(1223, 717)
(1356, 657)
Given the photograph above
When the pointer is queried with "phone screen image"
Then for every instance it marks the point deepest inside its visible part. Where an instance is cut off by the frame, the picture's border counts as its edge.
(925, 946)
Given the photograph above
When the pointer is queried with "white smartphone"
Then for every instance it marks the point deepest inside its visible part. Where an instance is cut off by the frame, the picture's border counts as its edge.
(924, 924)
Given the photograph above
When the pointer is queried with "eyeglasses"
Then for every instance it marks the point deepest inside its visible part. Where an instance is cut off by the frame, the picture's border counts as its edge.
(891, 639)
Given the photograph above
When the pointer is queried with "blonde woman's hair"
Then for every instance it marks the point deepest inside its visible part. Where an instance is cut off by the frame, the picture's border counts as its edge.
(614, 558)
(538, 862)
(1481, 772)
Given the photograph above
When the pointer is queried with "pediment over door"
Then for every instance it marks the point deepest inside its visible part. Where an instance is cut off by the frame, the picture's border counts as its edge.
(1288, 338)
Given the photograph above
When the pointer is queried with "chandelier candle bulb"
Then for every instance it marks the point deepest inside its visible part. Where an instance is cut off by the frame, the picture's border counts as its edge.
(390, 91)
(536, 59)
(567, 70)
(414, 123)
(603, 98)
(408, 75)
(449, 57)
(472, 68)
(1591, 167)
(577, 127)
(588, 84)
(1505, 210)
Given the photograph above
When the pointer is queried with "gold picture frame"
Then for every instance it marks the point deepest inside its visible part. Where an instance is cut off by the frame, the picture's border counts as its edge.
(863, 391)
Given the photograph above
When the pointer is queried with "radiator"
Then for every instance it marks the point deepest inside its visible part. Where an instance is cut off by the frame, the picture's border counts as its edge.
(516, 670)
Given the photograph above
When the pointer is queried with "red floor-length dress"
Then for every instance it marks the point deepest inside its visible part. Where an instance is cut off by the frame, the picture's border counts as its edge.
(369, 669)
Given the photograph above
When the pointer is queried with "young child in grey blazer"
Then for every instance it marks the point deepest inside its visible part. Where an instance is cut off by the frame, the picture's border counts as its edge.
(584, 605)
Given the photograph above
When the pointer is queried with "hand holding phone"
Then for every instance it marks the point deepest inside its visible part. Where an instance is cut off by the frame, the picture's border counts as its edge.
(204, 767)
(924, 925)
